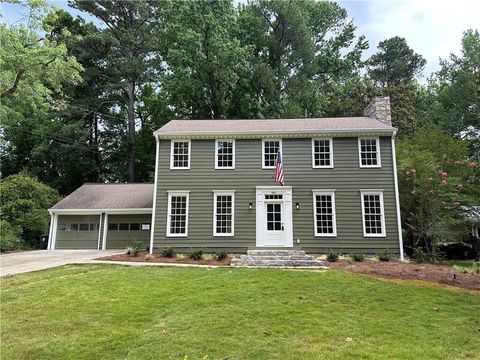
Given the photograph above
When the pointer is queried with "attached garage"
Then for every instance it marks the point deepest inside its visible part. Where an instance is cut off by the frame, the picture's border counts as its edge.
(102, 216)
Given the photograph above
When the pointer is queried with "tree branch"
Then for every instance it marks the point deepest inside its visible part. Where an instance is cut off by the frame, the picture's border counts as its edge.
(14, 87)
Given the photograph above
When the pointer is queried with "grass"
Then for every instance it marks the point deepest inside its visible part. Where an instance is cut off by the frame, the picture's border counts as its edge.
(117, 312)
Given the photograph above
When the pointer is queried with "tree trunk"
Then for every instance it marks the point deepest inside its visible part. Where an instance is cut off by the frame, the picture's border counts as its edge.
(131, 130)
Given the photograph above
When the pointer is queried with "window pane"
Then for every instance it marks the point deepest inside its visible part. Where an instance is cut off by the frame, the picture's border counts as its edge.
(373, 214)
(225, 154)
(368, 152)
(180, 154)
(146, 226)
(223, 214)
(135, 226)
(178, 214)
(270, 153)
(321, 153)
(123, 226)
(73, 227)
(324, 214)
(84, 227)
(93, 227)
(274, 217)
(112, 226)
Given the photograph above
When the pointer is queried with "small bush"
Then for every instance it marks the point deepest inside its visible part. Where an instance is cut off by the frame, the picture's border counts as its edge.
(384, 255)
(332, 256)
(180, 257)
(207, 257)
(196, 254)
(221, 255)
(136, 247)
(418, 255)
(129, 250)
(168, 252)
(358, 257)
(149, 257)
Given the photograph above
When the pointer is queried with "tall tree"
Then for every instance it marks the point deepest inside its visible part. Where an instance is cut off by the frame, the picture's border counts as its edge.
(301, 49)
(132, 60)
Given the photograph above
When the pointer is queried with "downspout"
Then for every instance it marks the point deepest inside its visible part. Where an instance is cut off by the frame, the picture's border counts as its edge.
(50, 232)
(397, 198)
(154, 203)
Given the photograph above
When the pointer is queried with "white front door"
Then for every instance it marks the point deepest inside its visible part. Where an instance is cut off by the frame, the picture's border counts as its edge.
(274, 216)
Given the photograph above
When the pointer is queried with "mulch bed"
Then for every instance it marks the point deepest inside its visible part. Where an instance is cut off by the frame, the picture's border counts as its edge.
(162, 259)
(441, 274)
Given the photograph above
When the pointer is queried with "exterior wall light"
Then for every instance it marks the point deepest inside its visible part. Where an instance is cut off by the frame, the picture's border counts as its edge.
(250, 206)
(297, 206)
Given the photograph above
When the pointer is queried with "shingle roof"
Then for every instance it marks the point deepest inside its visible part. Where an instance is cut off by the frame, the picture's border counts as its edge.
(108, 196)
(268, 126)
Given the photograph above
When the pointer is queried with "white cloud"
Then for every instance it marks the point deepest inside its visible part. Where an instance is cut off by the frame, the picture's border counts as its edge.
(432, 28)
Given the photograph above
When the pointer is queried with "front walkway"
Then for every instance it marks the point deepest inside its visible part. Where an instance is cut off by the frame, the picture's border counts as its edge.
(22, 262)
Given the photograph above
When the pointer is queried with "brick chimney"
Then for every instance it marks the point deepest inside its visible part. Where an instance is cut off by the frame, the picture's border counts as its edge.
(379, 109)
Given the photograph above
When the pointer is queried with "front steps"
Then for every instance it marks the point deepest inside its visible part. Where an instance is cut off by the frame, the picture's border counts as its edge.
(277, 258)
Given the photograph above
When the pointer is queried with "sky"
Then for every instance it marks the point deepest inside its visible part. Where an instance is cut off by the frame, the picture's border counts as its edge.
(432, 28)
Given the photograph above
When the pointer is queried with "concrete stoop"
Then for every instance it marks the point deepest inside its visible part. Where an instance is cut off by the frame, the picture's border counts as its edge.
(277, 258)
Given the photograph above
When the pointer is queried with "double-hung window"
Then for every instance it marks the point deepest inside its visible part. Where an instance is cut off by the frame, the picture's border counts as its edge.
(269, 152)
(177, 216)
(324, 213)
(180, 154)
(223, 213)
(224, 154)
(373, 213)
(369, 152)
(322, 153)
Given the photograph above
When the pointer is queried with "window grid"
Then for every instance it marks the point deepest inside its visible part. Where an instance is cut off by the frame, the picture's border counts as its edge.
(324, 213)
(225, 155)
(178, 215)
(322, 153)
(223, 217)
(180, 155)
(373, 220)
(270, 150)
(369, 154)
(274, 217)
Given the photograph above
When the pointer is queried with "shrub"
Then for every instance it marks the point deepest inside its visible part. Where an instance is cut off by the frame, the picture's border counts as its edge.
(168, 252)
(359, 257)
(221, 255)
(384, 255)
(149, 257)
(196, 254)
(332, 256)
(136, 247)
(207, 257)
(180, 257)
(418, 255)
(129, 250)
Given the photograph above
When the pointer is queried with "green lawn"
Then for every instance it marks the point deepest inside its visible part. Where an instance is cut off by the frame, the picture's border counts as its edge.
(117, 312)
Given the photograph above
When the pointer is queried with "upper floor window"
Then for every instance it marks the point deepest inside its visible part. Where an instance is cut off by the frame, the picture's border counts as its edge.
(180, 154)
(322, 153)
(177, 216)
(373, 213)
(224, 154)
(369, 152)
(269, 152)
(324, 213)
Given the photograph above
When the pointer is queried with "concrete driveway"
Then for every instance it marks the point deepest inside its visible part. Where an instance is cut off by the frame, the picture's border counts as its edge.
(27, 261)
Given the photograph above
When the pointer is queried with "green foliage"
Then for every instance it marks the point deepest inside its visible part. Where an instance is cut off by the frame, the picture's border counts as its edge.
(384, 255)
(129, 250)
(168, 252)
(358, 257)
(180, 257)
(418, 255)
(207, 257)
(221, 255)
(333, 256)
(10, 237)
(136, 248)
(24, 204)
(196, 254)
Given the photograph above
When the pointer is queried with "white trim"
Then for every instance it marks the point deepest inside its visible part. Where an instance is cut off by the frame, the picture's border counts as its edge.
(397, 200)
(330, 145)
(305, 133)
(215, 194)
(169, 212)
(54, 232)
(105, 232)
(382, 218)
(334, 212)
(377, 145)
(216, 155)
(155, 184)
(261, 191)
(99, 231)
(50, 232)
(263, 151)
(99, 211)
(189, 154)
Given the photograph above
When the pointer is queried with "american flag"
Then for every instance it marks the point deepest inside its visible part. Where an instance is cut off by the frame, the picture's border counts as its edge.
(279, 169)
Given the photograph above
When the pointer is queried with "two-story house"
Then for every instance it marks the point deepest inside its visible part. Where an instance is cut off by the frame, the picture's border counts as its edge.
(215, 189)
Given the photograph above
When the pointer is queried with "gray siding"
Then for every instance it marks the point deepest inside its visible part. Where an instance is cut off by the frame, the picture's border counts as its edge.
(120, 239)
(346, 177)
(77, 239)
